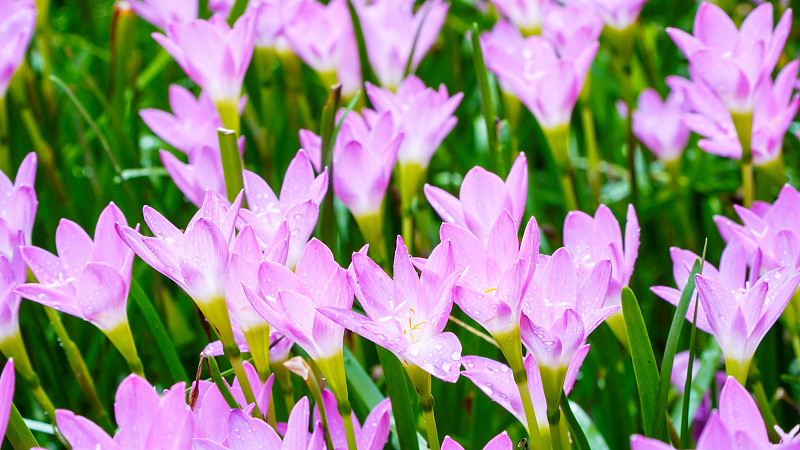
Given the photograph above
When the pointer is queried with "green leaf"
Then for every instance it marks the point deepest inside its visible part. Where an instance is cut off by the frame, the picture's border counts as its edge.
(164, 342)
(222, 385)
(367, 74)
(231, 163)
(644, 361)
(577, 432)
(397, 385)
(660, 418)
(488, 103)
(687, 387)
(593, 435)
(18, 433)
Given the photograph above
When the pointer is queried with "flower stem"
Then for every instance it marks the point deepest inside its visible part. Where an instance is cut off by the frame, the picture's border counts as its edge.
(5, 144)
(763, 403)
(590, 140)
(13, 347)
(258, 341)
(285, 381)
(511, 346)
(122, 339)
(345, 411)
(422, 384)
(229, 113)
(410, 177)
(743, 122)
(78, 366)
(231, 163)
(231, 351)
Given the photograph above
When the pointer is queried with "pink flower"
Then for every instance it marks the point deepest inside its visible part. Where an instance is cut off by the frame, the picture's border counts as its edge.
(423, 115)
(373, 435)
(659, 125)
(526, 15)
(322, 36)
(393, 31)
(562, 308)
(768, 230)
(192, 124)
(732, 62)
(289, 300)
(499, 442)
(298, 205)
(89, 278)
(494, 276)
(496, 380)
(407, 314)
(17, 24)
(501, 44)
(6, 394)
(483, 198)
(212, 54)
(592, 240)
(548, 84)
(203, 172)
(145, 420)
(741, 315)
(617, 14)
(571, 28)
(161, 14)
(272, 17)
(737, 425)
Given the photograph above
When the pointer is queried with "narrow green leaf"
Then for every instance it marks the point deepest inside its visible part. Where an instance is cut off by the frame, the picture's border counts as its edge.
(238, 8)
(359, 380)
(577, 432)
(592, 433)
(222, 385)
(164, 342)
(367, 74)
(660, 418)
(701, 382)
(326, 225)
(644, 360)
(410, 61)
(687, 387)
(153, 69)
(488, 103)
(18, 433)
(401, 399)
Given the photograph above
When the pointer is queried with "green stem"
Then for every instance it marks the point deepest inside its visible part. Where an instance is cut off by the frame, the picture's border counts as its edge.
(487, 102)
(313, 382)
(231, 351)
(578, 435)
(737, 369)
(238, 8)
(229, 113)
(122, 339)
(371, 227)
(422, 384)
(13, 347)
(78, 366)
(297, 102)
(554, 419)
(763, 403)
(345, 411)
(590, 140)
(285, 382)
(684, 224)
(231, 163)
(18, 433)
(558, 141)
(744, 124)
(553, 385)
(510, 345)
(222, 385)
(258, 341)
(410, 177)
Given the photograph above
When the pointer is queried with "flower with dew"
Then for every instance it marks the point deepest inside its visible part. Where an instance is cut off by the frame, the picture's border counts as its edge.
(297, 206)
(769, 230)
(394, 33)
(591, 240)
(425, 117)
(89, 278)
(323, 37)
(561, 308)
(289, 300)
(733, 63)
(203, 172)
(527, 16)
(740, 314)
(619, 15)
(659, 126)
(216, 57)
(737, 425)
(496, 380)
(774, 110)
(373, 435)
(17, 24)
(407, 315)
(499, 442)
(161, 14)
(483, 198)
(364, 155)
(145, 419)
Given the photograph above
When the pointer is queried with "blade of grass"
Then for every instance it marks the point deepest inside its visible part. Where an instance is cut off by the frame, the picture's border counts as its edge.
(658, 429)
(687, 387)
(18, 433)
(326, 225)
(644, 361)
(231, 163)
(367, 74)
(410, 62)
(397, 386)
(578, 436)
(164, 342)
(487, 101)
(222, 385)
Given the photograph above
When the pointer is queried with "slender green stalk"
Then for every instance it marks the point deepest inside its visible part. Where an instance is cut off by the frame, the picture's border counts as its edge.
(222, 385)
(687, 386)
(582, 443)
(78, 366)
(229, 113)
(763, 403)
(590, 140)
(367, 74)
(510, 345)
(345, 411)
(681, 207)
(123, 41)
(311, 377)
(298, 109)
(153, 69)
(422, 384)
(122, 339)
(327, 221)
(744, 125)
(487, 102)
(371, 227)
(5, 145)
(238, 8)
(558, 141)
(553, 385)
(258, 341)
(231, 163)
(409, 180)
(397, 388)
(285, 382)
(234, 356)
(13, 347)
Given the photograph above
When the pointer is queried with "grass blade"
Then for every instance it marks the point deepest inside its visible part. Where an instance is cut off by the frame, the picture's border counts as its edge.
(644, 360)
(488, 103)
(577, 432)
(18, 433)
(367, 74)
(687, 387)
(401, 399)
(164, 342)
(658, 429)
